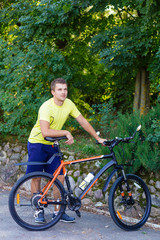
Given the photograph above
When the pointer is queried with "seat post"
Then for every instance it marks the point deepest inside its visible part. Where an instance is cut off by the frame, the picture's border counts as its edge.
(56, 144)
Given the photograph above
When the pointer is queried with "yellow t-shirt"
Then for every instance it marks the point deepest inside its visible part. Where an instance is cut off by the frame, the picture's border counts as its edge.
(55, 115)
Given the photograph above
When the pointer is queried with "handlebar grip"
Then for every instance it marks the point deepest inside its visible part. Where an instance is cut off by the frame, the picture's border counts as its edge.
(107, 143)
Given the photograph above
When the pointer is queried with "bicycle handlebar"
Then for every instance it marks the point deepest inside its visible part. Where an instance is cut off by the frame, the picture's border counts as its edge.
(112, 143)
(116, 141)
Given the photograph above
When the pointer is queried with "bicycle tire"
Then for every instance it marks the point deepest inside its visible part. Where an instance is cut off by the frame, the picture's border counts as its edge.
(23, 203)
(129, 213)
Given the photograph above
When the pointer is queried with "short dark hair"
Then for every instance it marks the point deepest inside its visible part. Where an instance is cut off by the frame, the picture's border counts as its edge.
(57, 80)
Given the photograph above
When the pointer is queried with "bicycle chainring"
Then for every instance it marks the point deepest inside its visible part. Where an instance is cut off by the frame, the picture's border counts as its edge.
(74, 203)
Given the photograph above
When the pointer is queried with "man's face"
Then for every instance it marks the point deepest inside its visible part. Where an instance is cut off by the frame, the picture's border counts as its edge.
(60, 92)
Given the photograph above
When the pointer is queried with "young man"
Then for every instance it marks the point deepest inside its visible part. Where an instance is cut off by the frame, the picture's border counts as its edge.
(51, 117)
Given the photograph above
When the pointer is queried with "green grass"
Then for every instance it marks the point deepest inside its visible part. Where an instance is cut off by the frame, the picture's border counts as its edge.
(83, 145)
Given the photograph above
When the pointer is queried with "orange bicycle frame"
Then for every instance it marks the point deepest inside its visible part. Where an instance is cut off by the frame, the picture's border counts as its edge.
(64, 164)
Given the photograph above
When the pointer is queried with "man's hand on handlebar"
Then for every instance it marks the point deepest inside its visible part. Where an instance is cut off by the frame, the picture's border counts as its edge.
(101, 141)
(70, 138)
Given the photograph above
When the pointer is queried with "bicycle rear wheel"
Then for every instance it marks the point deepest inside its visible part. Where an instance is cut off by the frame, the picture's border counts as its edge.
(129, 202)
(23, 201)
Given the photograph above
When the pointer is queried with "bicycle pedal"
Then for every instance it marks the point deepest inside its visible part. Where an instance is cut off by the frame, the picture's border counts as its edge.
(78, 213)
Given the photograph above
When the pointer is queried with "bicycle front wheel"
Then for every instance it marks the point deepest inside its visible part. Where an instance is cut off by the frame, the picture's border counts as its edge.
(24, 201)
(129, 202)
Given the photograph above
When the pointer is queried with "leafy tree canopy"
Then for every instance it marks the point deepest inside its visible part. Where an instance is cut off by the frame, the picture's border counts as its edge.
(42, 40)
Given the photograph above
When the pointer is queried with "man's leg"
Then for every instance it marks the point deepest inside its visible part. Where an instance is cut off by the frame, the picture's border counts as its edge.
(35, 185)
(36, 154)
(56, 193)
(51, 169)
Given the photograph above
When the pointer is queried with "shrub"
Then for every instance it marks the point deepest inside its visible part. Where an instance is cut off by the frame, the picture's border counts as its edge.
(102, 115)
(144, 151)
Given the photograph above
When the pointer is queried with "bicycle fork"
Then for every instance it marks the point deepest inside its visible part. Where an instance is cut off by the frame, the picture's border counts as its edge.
(131, 201)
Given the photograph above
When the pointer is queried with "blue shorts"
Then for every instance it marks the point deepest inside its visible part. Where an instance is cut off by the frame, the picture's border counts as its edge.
(38, 152)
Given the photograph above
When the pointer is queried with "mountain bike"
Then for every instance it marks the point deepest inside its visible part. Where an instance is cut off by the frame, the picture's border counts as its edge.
(129, 198)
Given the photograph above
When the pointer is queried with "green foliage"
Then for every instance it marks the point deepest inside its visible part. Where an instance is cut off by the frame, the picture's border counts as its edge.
(155, 135)
(42, 40)
(24, 87)
(101, 116)
(125, 50)
(89, 149)
(144, 152)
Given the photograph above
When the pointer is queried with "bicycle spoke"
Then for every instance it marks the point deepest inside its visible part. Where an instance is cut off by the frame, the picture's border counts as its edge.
(130, 203)
(127, 211)
(24, 202)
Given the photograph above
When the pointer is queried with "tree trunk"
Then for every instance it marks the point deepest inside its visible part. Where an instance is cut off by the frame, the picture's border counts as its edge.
(137, 95)
(141, 97)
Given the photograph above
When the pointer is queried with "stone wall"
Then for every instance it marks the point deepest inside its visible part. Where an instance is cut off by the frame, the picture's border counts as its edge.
(11, 153)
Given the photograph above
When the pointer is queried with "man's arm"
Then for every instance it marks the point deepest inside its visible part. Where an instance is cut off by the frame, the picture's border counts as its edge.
(48, 132)
(88, 127)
